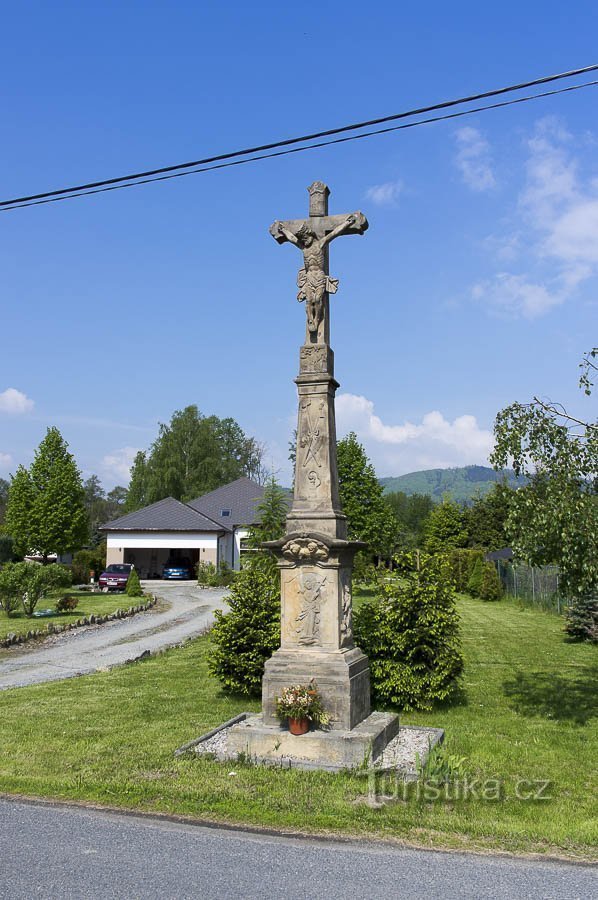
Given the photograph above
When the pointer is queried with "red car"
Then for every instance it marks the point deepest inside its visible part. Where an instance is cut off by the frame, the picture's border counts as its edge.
(115, 577)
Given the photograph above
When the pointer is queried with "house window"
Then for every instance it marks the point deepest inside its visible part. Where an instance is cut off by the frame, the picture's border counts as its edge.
(225, 513)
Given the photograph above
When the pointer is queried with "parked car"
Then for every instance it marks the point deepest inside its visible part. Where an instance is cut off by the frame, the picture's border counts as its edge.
(177, 568)
(115, 577)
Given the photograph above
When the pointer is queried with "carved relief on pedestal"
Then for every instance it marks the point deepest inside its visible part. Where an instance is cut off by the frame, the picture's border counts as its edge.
(313, 359)
(312, 432)
(314, 480)
(310, 587)
(346, 635)
(304, 548)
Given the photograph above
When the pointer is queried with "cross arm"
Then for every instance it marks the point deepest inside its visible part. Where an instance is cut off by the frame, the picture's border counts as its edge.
(320, 225)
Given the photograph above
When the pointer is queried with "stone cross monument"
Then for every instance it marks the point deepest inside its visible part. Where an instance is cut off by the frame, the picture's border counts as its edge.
(315, 558)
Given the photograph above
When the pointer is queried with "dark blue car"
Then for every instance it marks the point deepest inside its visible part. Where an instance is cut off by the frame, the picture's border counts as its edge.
(177, 569)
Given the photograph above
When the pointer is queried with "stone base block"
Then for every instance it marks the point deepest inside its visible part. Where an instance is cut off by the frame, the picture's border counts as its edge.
(342, 677)
(318, 749)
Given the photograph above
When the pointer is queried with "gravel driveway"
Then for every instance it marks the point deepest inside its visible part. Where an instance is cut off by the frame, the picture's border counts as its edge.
(88, 649)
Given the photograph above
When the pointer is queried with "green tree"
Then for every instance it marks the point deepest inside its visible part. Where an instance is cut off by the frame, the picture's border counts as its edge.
(46, 509)
(6, 548)
(101, 507)
(411, 512)
(445, 527)
(115, 499)
(271, 512)
(192, 455)
(369, 518)
(554, 518)
(18, 509)
(410, 633)
(486, 519)
(137, 493)
(95, 504)
(4, 486)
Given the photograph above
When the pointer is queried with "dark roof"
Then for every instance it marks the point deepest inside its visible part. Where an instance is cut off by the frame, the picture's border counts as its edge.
(165, 515)
(506, 553)
(241, 497)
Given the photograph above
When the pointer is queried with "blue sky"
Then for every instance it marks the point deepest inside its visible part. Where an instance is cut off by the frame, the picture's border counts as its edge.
(475, 286)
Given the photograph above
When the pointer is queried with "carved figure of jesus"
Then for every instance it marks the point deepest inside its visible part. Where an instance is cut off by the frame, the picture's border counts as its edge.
(312, 280)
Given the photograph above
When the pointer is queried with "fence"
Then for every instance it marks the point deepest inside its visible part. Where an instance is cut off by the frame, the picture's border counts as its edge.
(532, 585)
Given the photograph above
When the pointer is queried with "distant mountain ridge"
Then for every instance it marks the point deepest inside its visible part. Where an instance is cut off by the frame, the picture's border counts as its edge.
(463, 483)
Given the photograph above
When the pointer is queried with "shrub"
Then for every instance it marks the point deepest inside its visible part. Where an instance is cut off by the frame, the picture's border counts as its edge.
(67, 603)
(364, 569)
(462, 563)
(244, 638)
(491, 586)
(210, 576)
(582, 618)
(30, 582)
(11, 588)
(87, 561)
(133, 588)
(225, 574)
(474, 583)
(410, 633)
(206, 571)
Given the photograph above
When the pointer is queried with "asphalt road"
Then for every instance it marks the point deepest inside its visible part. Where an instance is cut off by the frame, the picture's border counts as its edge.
(89, 649)
(67, 852)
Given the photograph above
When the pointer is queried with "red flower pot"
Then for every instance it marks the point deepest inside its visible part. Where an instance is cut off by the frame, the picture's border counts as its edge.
(298, 726)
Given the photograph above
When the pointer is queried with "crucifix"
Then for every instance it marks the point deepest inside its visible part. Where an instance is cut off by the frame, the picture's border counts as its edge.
(315, 556)
(313, 236)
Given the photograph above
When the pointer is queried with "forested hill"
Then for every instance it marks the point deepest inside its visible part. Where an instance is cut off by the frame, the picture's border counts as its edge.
(462, 484)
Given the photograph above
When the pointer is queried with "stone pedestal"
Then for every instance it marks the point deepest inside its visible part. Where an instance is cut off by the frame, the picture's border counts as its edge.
(342, 676)
(316, 634)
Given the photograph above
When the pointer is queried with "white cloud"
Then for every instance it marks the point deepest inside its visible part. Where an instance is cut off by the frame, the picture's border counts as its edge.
(117, 464)
(397, 449)
(551, 175)
(473, 159)
(13, 401)
(573, 236)
(386, 194)
(516, 295)
(506, 247)
(560, 214)
(5, 461)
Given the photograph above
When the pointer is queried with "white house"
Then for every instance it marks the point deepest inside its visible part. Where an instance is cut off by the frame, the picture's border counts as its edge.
(209, 529)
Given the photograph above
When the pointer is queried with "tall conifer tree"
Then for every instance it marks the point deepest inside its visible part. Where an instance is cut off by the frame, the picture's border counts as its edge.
(46, 510)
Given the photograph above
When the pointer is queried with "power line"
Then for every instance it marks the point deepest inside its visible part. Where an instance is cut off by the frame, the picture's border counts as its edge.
(308, 137)
(118, 183)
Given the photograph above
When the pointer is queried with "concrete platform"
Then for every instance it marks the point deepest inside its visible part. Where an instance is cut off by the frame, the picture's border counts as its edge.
(331, 751)
(404, 753)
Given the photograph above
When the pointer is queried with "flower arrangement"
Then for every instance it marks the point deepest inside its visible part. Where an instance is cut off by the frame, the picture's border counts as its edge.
(302, 703)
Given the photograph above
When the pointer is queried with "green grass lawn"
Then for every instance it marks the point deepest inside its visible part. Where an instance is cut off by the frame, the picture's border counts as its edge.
(99, 604)
(528, 711)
